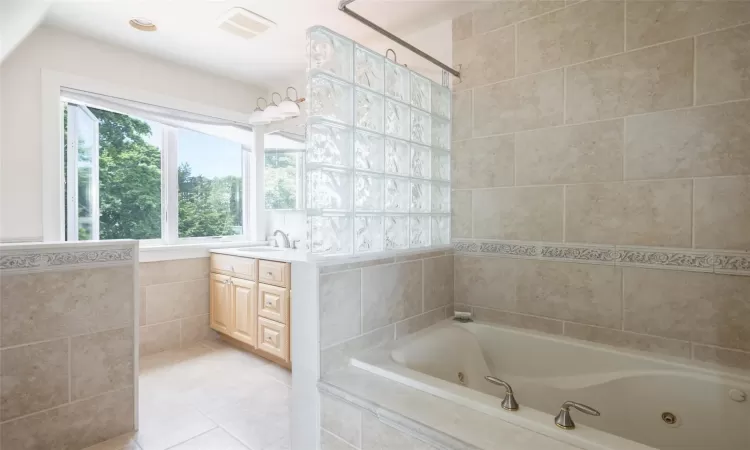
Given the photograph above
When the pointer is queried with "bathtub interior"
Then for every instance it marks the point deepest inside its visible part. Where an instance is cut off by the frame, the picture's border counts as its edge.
(632, 391)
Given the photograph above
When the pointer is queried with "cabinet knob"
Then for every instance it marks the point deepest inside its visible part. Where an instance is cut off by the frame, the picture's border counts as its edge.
(269, 273)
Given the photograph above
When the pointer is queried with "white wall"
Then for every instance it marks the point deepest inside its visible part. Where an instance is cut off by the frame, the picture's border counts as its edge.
(20, 108)
(18, 18)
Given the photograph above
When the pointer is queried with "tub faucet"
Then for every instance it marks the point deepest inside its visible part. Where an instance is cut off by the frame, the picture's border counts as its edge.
(509, 402)
(563, 419)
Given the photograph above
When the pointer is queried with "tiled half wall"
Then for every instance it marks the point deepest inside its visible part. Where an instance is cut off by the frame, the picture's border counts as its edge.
(371, 303)
(174, 304)
(601, 172)
(68, 346)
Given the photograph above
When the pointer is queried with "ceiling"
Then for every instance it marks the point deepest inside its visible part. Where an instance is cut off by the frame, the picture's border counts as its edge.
(188, 33)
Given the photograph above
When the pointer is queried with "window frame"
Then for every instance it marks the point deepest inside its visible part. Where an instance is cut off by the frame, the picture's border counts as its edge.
(53, 173)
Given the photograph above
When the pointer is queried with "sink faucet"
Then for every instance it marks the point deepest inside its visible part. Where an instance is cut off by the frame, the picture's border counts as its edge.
(284, 236)
(563, 419)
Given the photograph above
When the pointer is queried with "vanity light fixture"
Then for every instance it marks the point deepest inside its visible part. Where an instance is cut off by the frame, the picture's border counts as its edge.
(258, 116)
(289, 108)
(142, 24)
(272, 112)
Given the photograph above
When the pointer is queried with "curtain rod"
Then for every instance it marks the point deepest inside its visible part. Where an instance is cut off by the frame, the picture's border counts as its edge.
(393, 37)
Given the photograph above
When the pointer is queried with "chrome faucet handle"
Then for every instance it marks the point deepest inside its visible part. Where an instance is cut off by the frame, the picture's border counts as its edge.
(563, 419)
(509, 402)
(294, 244)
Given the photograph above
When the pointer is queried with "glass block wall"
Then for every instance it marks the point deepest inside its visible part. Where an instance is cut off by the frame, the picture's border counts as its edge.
(377, 159)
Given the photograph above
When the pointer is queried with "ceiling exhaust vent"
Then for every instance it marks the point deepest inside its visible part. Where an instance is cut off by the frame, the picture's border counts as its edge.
(243, 23)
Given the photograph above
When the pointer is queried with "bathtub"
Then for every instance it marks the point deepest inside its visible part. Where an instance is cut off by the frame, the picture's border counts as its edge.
(631, 389)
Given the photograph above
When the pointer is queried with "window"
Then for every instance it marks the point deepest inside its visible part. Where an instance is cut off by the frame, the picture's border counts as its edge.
(284, 159)
(126, 177)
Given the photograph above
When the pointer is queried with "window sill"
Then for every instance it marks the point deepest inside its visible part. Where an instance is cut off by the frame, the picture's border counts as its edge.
(153, 253)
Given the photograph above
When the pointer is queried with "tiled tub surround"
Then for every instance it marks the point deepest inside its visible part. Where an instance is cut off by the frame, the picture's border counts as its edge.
(174, 304)
(68, 357)
(596, 144)
(373, 302)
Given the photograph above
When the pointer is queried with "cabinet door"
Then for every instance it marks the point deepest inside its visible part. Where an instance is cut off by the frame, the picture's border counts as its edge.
(245, 316)
(273, 303)
(220, 307)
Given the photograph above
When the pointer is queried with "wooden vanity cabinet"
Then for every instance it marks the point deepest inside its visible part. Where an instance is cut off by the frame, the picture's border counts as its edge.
(250, 304)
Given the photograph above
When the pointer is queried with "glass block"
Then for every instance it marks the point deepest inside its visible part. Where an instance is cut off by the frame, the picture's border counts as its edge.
(419, 231)
(329, 234)
(441, 230)
(396, 232)
(396, 119)
(441, 165)
(441, 198)
(369, 110)
(369, 151)
(368, 233)
(441, 101)
(368, 192)
(369, 69)
(330, 99)
(329, 143)
(397, 194)
(420, 161)
(420, 197)
(330, 53)
(420, 127)
(396, 81)
(420, 91)
(397, 157)
(441, 133)
(329, 190)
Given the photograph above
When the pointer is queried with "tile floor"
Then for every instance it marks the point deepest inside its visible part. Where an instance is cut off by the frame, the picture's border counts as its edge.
(210, 397)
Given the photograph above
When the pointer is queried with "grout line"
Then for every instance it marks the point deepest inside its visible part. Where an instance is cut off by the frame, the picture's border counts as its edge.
(624, 147)
(692, 213)
(70, 369)
(565, 214)
(66, 337)
(695, 71)
(622, 300)
(565, 96)
(625, 26)
(515, 50)
(424, 286)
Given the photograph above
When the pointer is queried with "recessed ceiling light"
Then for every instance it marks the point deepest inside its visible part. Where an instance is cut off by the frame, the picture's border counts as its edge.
(141, 24)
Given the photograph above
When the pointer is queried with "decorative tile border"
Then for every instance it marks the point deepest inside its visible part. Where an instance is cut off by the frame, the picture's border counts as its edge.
(627, 256)
(39, 260)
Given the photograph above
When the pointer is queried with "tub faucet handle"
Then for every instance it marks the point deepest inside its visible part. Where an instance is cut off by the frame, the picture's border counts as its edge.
(563, 419)
(509, 402)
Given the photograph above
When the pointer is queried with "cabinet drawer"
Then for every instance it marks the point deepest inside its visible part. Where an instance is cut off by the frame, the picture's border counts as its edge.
(273, 338)
(273, 272)
(273, 303)
(233, 265)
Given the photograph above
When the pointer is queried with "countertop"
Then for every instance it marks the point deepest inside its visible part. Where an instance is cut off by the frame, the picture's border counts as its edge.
(269, 253)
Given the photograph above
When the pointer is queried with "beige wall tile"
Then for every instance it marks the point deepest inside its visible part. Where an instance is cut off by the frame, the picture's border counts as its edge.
(701, 307)
(651, 22)
(518, 320)
(534, 101)
(34, 378)
(47, 305)
(378, 436)
(722, 356)
(463, 27)
(390, 293)
(499, 14)
(341, 418)
(723, 64)
(485, 58)
(461, 214)
(142, 308)
(160, 337)
(696, 142)
(486, 281)
(572, 154)
(161, 272)
(338, 356)
(178, 300)
(76, 425)
(652, 79)
(463, 107)
(482, 162)
(340, 307)
(438, 282)
(420, 322)
(722, 213)
(101, 362)
(524, 213)
(195, 329)
(654, 213)
(583, 293)
(625, 339)
(571, 35)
